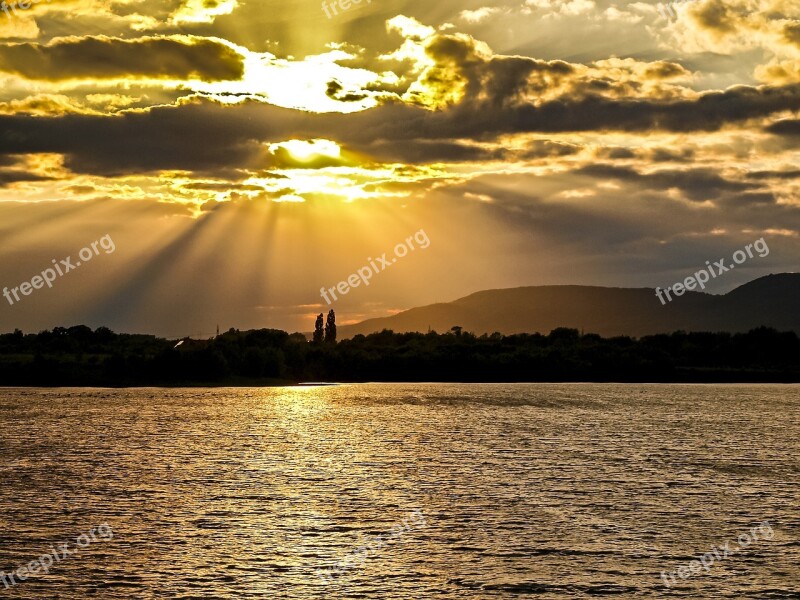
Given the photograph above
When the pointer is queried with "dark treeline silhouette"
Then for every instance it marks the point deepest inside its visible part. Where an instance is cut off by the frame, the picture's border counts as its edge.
(78, 356)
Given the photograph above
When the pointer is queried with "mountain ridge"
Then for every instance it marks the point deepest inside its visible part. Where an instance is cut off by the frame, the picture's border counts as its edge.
(771, 301)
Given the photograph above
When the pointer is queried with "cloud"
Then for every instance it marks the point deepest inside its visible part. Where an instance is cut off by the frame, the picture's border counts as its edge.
(301, 154)
(45, 104)
(556, 8)
(480, 14)
(788, 174)
(11, 176)
(473, 91)
(20, 26)
(696, 184)
(177, 138)
(203, 11)
(549, 149)
(178, 57)
(427, 151)
(732, 26)
(169, 138)
(501, 103)
(612, 13)
(785, 127)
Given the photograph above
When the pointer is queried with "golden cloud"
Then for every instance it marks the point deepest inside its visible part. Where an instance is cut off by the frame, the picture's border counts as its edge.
(176, 57)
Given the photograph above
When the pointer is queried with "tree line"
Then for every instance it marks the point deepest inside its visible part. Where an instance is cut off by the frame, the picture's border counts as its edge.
(80, 356)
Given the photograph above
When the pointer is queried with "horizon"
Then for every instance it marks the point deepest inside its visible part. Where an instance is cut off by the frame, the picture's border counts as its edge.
(308, 332)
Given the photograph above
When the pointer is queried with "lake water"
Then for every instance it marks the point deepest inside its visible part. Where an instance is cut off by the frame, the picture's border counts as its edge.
(545, 491)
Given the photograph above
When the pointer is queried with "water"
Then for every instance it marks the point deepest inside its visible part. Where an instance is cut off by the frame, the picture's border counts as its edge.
(545, 491)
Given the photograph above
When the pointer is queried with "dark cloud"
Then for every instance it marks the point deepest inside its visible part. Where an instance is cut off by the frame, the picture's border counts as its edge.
(651, 154)
(81, 189)
(8, 177)
(501, 95)
(101, 57)
(759, 175)
(480, 119)
(13, 170)
(427, 151)
(696, 184)
(201, 138)
(759, 199)
(791, 33)
(617, 153)
(665, 70)
(715, 16)
(212, 205)
(667, 155)
(549, 149)
(221, 187)
(337, 92)
(507, 94)
(785, 127)
(710, 112)
(206, 137)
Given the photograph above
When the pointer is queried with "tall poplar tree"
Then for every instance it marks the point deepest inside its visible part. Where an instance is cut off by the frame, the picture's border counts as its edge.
(318, 331)
(330, 328)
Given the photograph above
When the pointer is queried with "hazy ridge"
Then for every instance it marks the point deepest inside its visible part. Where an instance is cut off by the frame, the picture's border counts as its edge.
(771, 301)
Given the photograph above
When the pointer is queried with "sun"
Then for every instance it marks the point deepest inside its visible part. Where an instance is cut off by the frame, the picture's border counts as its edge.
(308, 150)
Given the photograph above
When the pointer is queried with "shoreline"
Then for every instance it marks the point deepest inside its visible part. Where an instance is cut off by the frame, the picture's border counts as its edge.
(228, 385)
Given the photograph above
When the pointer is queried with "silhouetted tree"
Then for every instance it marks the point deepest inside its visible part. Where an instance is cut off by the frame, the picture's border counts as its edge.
(318, 331)
(330, 328)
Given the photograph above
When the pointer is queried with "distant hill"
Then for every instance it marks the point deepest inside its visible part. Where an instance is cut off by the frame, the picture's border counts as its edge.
(772, 301)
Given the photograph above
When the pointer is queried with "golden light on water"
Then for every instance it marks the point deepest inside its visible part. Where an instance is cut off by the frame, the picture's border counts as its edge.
(245, 492)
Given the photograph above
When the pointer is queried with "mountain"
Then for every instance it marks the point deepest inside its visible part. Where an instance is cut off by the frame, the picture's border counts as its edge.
(773, 301)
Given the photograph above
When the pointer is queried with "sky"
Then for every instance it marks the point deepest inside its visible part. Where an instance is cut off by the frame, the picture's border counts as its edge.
(240, 155)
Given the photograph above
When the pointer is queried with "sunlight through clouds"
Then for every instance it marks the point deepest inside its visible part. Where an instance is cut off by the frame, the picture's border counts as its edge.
(306, 150)
(298, 84)
(203, 11)
(506, 130)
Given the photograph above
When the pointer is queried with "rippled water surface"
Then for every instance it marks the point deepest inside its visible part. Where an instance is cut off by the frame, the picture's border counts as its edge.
(545, 491)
